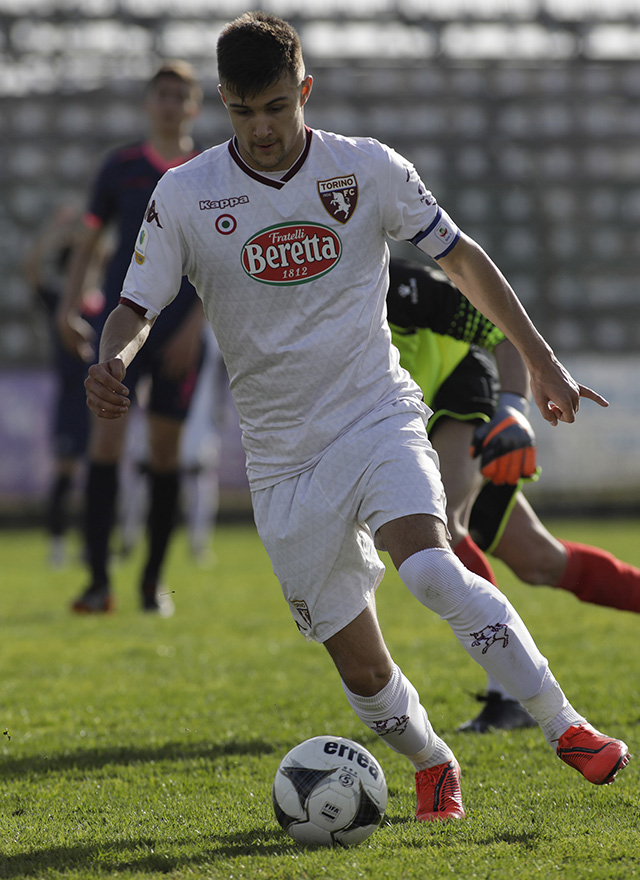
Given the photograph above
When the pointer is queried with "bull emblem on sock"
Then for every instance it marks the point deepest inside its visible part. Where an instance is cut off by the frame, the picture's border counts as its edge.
(391, 725)
(490, 635)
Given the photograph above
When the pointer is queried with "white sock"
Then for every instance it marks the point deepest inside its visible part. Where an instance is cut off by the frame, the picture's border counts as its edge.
(494, 687)
(491, 632)
(396, 715)
(551, 709)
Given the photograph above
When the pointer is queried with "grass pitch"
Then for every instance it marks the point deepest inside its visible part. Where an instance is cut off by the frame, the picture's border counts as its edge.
(137, 747)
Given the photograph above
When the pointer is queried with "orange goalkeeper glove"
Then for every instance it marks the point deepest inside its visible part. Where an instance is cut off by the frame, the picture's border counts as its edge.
(506, 445)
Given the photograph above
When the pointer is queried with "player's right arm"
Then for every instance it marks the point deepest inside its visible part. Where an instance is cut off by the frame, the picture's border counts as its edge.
(124, 334)
(76, 334)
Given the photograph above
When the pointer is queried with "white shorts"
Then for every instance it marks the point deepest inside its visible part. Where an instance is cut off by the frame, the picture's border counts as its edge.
(318, 527)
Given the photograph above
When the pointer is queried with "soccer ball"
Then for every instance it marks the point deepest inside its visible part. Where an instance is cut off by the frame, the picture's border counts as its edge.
(329, 791)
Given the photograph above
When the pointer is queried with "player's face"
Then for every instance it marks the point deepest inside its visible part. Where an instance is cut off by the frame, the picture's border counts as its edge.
(269, 126)
(170, 105)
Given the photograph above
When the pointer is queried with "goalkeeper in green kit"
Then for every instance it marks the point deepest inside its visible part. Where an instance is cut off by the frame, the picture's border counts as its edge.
(476, 383)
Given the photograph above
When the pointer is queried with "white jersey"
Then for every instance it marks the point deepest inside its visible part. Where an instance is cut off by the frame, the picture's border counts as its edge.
(293, 274)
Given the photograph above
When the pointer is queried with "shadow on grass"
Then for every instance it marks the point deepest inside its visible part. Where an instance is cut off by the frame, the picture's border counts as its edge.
(109, 858)
(91, 759)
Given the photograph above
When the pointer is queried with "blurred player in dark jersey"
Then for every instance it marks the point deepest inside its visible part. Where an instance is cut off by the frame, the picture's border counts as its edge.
(45, 266)
(121, 198)
(474, 381)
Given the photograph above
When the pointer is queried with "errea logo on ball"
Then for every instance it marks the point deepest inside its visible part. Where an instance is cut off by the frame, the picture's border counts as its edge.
(291, 253)
(347, 750)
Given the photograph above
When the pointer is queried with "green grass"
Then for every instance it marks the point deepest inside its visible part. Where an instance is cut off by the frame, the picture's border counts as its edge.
(136, 747)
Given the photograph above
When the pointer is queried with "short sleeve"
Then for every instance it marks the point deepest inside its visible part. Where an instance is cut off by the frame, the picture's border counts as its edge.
(412, 212)
(157, 266)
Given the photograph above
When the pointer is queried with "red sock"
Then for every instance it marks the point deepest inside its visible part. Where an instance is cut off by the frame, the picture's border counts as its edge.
(598, 577)
(471, 556)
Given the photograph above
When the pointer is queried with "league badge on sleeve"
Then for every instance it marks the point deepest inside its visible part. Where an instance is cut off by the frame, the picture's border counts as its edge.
(141, 246)
(339, 196)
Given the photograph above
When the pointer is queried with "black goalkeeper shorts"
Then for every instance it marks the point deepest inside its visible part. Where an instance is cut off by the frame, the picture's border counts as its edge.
(470, 394)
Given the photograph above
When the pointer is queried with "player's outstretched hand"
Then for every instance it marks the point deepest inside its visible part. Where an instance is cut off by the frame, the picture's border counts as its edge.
(107, 397)
(506, 446)
(557, 394)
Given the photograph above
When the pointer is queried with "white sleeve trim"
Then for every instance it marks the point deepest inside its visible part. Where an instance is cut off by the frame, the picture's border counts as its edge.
(439, 237)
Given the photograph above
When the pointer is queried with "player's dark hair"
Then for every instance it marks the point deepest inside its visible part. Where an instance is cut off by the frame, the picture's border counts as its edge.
(255, 51)
(180, 70)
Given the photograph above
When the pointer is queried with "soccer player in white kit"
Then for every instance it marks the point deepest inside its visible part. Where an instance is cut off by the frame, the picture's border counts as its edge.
(282, 230)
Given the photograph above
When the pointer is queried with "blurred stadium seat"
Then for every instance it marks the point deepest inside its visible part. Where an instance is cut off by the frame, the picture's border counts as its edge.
(521, 116)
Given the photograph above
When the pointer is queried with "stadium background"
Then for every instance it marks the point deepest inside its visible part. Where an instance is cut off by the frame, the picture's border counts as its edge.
(522, 116)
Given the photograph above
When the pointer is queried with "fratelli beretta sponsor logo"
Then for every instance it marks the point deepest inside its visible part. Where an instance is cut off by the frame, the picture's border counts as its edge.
(291, 253)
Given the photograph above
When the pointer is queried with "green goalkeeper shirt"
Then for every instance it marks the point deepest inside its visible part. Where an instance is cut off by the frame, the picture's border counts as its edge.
(433, 324)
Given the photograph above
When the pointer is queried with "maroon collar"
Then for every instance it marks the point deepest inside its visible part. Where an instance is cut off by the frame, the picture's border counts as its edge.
(269, 181)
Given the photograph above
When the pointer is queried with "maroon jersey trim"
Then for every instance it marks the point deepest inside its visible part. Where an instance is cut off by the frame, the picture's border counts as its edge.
(268, 181)
(138, 309)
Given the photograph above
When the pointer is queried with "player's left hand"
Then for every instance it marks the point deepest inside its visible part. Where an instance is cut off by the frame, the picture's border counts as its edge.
(506, 446)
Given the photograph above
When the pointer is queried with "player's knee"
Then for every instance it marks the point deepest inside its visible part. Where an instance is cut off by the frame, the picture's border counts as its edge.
(164, 455)
(106, 443)
(434, 576)
(364, 672)
(438, 580)
(164, 464)
(105, 455)
(164, 450)
(366, 679)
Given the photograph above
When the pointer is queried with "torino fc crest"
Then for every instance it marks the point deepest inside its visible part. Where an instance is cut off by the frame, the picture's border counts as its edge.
(339, 196)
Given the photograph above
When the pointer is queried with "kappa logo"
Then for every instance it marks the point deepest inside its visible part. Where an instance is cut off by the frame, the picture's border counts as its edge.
(425, 196)
(339, 195)
(153, 216)
(221, 204)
